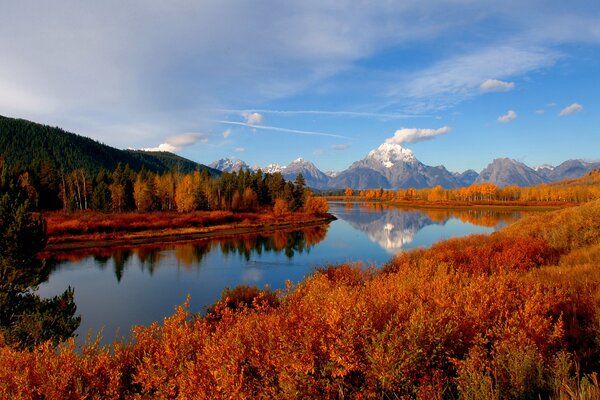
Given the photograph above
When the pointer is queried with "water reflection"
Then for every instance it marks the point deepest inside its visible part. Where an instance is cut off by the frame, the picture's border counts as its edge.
(393, 228)
(190, 255)
(119, 287)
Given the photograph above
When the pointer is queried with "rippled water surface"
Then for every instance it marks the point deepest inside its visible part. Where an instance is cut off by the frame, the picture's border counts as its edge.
(120, 287)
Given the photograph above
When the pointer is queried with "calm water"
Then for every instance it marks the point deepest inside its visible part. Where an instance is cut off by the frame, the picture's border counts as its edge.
(118, 288)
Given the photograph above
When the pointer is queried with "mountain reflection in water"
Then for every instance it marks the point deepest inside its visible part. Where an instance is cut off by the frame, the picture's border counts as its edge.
(393, 228)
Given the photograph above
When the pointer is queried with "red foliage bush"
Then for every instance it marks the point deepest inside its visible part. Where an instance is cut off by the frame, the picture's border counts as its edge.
(469, 317)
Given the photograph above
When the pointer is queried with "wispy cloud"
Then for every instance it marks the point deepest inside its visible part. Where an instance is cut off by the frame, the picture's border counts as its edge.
(177, 142)
(318, 152)
(412, 135)
(540, 111)
(340, 146)
(494, 85)
(509, 116)
(573, 108)
(278, 129)
(456, 79)
(239, 149)
(226, 133)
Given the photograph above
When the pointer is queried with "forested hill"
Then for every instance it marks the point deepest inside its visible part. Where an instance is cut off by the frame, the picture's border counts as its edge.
(29, 144)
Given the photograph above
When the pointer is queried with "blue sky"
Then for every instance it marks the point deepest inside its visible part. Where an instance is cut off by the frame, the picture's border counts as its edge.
(271, 81)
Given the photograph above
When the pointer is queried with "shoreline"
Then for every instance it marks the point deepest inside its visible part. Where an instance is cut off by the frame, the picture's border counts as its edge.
(125, 238)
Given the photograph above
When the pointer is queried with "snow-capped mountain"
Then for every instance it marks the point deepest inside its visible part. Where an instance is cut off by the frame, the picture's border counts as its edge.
(229, 165)
(543, 167)
(391, 166)
(272, 168)
(389, 155)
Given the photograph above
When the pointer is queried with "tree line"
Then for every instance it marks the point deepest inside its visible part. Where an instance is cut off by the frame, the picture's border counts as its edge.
(580, 190)
(124, 190)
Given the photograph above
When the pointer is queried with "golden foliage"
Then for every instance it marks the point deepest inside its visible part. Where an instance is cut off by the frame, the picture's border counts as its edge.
(510, 315)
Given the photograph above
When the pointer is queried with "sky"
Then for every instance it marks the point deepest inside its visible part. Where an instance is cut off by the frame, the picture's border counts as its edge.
(459, 82)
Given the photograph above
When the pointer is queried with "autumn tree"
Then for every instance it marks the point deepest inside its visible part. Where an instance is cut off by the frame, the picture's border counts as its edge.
(143, 192)
(186, 194)
(316, 205)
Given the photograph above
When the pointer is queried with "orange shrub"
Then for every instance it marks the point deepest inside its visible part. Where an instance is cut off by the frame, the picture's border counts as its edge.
(316, 205)
(472, 317)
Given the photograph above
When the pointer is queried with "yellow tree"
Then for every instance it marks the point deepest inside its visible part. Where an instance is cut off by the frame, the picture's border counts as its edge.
(186, 194)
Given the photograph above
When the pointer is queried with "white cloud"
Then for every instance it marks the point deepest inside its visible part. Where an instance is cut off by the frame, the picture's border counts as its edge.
(509, 116)
(177, 142)
(340, 146)
(573, 108)
(227, 133)
(494, 85)
(162, 147)
(412, 135)
(318, 152)
(541, 111)
(253, 118)
(239, 149)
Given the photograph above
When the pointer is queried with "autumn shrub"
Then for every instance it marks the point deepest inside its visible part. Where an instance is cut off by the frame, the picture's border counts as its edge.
(481, 254)
(280, 208)
(484, 317)
(316, 205)
(242, 296)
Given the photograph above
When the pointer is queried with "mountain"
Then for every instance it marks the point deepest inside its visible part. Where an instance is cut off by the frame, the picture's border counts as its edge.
(24, 142)
(273, 168)
(466, 178)
(229, 165)
(391, 166)
(313, 177)
(568, 170)
(506, 171)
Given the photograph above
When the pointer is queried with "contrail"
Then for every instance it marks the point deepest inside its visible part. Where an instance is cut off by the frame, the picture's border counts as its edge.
(323, 112)
(274, 128)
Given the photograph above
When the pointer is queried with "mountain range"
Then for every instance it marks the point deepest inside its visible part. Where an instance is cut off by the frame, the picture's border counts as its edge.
(391, 166)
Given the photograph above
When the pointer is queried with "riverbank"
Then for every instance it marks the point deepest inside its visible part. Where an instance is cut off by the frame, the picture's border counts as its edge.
(89, 229)
(492, 204)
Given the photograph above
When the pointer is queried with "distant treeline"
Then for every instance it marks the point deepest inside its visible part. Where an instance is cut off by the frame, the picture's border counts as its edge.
(579, 190)
(124, 189)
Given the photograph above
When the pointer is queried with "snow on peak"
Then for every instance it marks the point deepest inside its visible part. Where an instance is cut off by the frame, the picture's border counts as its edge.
(272, 168)
(544, 166)
(391, 153)
(298, 160)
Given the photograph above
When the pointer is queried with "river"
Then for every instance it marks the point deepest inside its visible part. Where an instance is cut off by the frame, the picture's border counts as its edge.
(117, 288)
